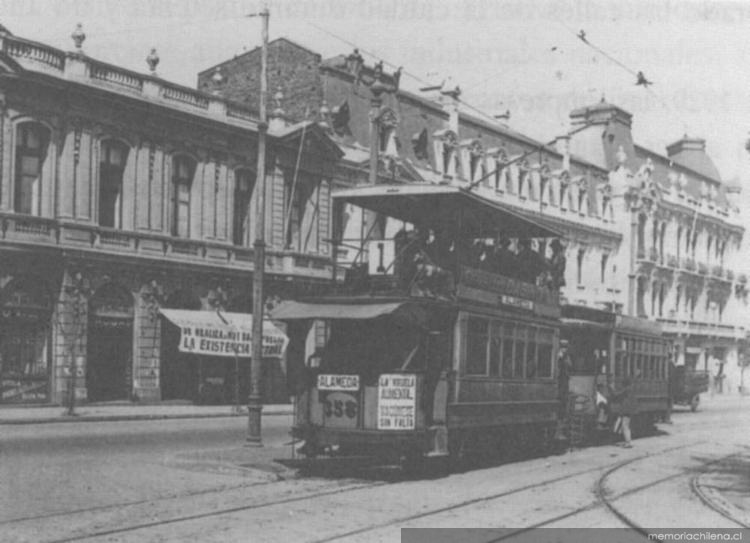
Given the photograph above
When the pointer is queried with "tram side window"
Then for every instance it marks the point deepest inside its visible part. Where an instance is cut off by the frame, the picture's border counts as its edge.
(545, 340)
(652, 361)
(496, 348)
(507, 362)
(632, 358)
(620, 363)
(532, 368)
(520, 352)
(477, 346)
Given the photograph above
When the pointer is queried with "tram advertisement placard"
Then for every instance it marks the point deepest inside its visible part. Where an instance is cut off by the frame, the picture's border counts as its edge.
(397, 401)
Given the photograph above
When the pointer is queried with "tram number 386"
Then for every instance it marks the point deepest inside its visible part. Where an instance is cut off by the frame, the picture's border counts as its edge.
(339, 405)
(340, 408)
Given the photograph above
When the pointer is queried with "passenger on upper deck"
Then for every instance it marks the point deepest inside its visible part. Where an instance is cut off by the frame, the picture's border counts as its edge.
(506, 260)
(556, 265)
(532, 264)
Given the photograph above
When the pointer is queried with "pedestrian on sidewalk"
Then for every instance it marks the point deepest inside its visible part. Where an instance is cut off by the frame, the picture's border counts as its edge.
(625, 407)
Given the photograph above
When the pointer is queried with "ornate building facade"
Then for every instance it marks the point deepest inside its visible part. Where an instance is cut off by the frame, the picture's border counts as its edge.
(652, 235)
(683, 234)
(122, 193)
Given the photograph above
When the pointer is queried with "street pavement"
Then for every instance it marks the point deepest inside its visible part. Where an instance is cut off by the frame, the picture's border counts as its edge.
(49, 468)
(134, 470)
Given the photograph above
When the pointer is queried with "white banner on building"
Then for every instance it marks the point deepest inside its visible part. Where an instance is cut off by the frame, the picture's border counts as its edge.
(224, 334)
(397, 401)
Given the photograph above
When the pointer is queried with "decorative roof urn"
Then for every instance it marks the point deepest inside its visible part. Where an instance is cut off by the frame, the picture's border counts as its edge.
(152, 60)
(79, 36)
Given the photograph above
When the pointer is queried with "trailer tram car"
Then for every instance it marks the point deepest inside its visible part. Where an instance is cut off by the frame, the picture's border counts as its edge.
(605, 349)
(440, 344)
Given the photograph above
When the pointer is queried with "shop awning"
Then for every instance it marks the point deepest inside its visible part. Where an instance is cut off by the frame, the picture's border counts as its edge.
(289, 310)
(216, 333)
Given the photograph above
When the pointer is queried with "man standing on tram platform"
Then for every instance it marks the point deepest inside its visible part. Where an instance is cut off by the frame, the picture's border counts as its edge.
(564, 369)
(625, 407)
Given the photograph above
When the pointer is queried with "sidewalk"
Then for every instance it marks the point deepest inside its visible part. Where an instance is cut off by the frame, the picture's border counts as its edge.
(19, 414)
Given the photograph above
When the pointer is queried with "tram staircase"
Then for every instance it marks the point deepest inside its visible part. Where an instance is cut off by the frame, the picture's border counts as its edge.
(578, 420)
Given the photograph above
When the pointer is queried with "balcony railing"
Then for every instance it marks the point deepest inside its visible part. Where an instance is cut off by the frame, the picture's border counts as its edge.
(672, 261)
(37, 57)
(117, 76)
(24, 230)
(688, 263)
(36, 52)
(713, 329)
(742, 278)
(702, 268)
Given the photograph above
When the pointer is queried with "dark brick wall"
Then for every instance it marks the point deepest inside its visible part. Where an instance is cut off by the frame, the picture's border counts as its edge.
(296, 70)
(291, 68)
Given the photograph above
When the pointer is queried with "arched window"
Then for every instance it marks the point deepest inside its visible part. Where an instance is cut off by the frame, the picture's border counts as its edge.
(182, 179)
(641, 235)
(662, 235)
(641, 296)
(32, 140)
(579, 270)
(111, 167)
(243, 191)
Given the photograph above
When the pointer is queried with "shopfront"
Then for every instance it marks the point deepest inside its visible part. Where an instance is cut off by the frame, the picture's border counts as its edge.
(25, 311)
(109, 367)
(206, 357)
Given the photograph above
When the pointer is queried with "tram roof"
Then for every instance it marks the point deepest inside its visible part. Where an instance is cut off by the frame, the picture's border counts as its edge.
(574, 316)
(446, 207)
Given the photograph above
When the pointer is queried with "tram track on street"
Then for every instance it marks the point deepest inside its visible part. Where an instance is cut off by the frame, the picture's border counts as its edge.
(510, 492)
(697, 489)
(133, 503)
(272, 503)
(604, 499)
(208, 514)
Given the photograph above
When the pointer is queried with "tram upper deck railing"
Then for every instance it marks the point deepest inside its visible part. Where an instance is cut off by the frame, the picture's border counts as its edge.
(469, 285)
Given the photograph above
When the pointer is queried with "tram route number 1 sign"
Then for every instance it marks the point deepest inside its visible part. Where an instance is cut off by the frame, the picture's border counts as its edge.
(397, 401)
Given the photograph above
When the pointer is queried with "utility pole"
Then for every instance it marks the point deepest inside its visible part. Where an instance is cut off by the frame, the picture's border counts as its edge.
(254, 400)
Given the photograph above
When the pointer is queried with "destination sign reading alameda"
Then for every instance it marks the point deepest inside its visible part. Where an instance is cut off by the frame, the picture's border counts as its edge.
(338, 382)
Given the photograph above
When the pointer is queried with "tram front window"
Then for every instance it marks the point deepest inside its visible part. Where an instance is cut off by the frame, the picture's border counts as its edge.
(370, 348)
(588, 353)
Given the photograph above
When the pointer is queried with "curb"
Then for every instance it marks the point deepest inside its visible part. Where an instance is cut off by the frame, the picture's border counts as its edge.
(124, 418)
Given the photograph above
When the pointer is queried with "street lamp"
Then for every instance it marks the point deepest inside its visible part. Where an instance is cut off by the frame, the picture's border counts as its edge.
(254, 400)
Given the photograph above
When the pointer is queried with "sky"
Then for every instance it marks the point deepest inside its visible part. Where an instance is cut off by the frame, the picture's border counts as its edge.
(517, 55)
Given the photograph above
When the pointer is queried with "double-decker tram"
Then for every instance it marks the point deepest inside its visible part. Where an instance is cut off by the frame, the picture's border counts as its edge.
(605, 350)
(440, 341)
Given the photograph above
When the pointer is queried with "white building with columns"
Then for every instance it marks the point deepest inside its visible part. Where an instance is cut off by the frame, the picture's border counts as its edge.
(679, 260)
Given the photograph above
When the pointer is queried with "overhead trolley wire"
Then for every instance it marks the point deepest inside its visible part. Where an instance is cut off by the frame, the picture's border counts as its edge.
(641, 79)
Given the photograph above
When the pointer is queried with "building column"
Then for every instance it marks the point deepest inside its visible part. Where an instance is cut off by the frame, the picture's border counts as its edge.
(147, 348)
(70, 331)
